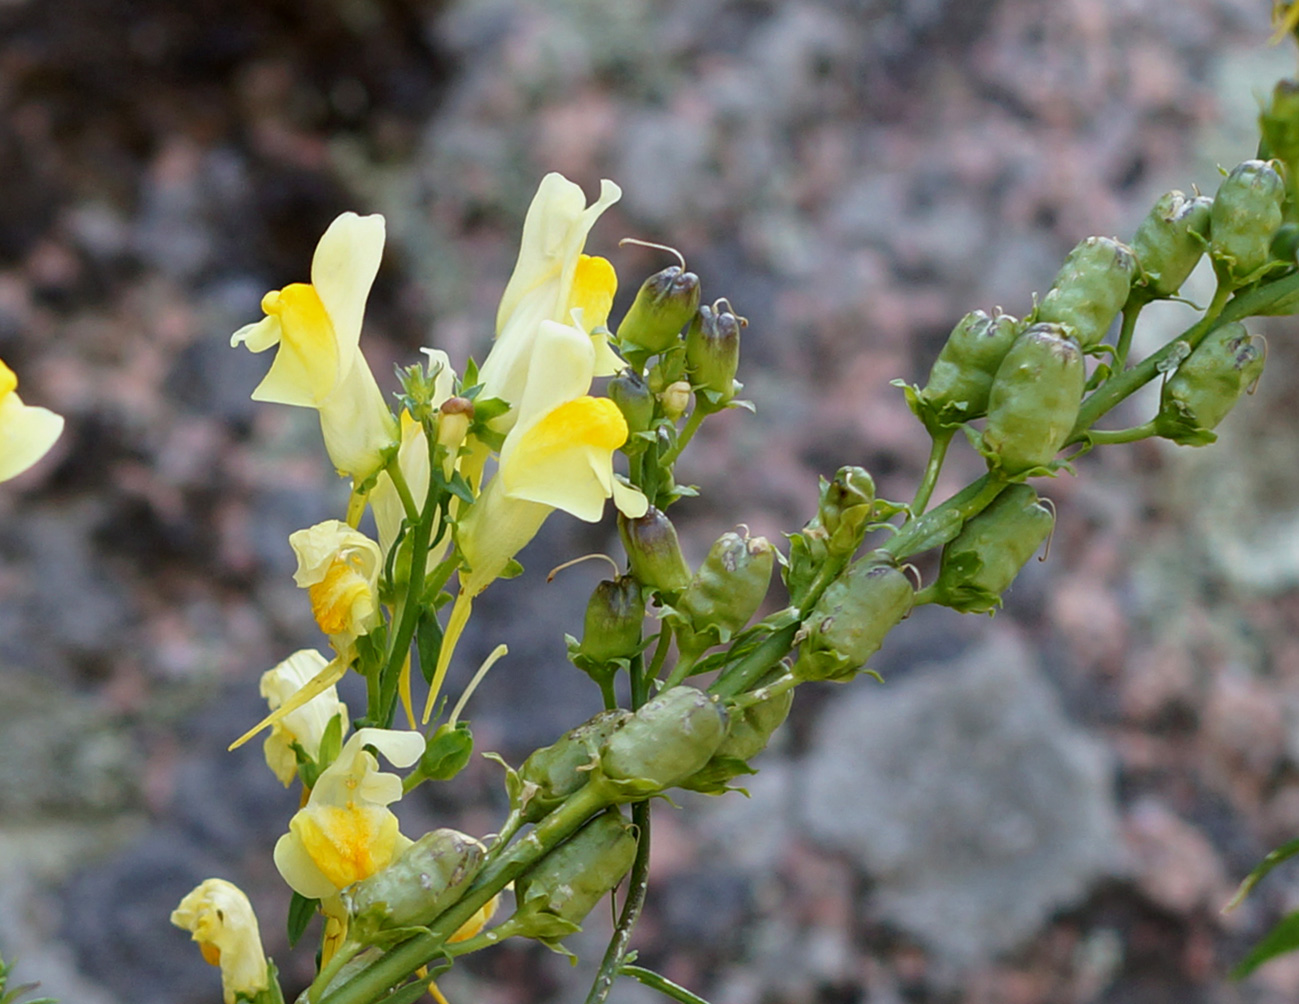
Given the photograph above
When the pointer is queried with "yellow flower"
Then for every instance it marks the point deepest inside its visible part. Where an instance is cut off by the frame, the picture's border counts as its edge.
(558, 455)
(317, 327)
(346, 832)
(26, 432)
(339, 567)
(222, 921)
(306, 725)
(551, 278)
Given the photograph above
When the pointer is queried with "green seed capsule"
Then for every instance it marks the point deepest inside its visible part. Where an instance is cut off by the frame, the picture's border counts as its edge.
(663, 306)
(428, 877)
(655, 552)
(554, 772)
(1279, 122)
(614, 616)
(1090, 289)
(984, 558)
(1207, 385)
(713, 352)
(849, 622)
(727, 590)
(747, 734)
(1246, 213)
(632, 395)
(961, 377)
(569, 881)
(1035, 400)
(667, 740)
(1170, 241)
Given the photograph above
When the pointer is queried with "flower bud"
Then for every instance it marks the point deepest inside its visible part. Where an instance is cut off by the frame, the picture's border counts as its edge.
(612, 626)
(747, 734)
(984, 558)
(424, 881)
(961, 377)
(846, 502)
(675, 398)
(713, 352)
(1246, 213)
(632, 395)
(726, 591)
(663, 306)
(554, 772)
(1090, 289)
(667, 740)
(568, 882)
(1207, 385)
(1170, 241)
(849, 622)
(654, 552)
(454, 418)
(1034, 401)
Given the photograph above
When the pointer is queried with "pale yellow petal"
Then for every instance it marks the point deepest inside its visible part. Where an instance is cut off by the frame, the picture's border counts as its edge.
(493, 531)
(631, 502)
(321, 682)
(307, 367)
(26, 434)
(560, 370)
(258, 336)
(298, 869)
(343, 270)
(356, 422)
(595, 283)
(347, 843)
(221, 920)
(400, 747)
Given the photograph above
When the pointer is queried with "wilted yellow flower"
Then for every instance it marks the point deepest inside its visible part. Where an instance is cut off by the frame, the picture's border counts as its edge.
(317, 327)
(558, 455)
(222, 921)
(26, 432)
(551, 278)
(346, 832)
(339, 567)
(306, 725)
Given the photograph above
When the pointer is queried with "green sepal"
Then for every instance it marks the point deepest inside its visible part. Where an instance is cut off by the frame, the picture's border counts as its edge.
(720, 769)
(933, 419)
(512, 570)
(308, 769)
(513, 783)
(331, 742)
(301, 910)
(370, 650)
(447, 752)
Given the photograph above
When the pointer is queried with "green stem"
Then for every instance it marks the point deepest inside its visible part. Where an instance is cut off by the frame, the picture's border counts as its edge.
(656, 666)
(1131, 310)
(486, 939)
(685, 663)
(1102, 437)
(937, 452)
(346, 952)
(408, 994)
(403, 489)
(637, 885)
(397, 964)
(737, 678)
(941, 524)
(662, 984)
(688, 431)
(765, 693)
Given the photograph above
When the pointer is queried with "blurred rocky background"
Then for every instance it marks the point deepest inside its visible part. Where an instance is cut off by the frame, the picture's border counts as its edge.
(1051, 806)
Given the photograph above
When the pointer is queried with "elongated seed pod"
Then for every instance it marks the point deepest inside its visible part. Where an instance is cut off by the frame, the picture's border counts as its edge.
(1090, 289)
(1207, 385)
(1171, 240)
(849, 622)
(1246, 213)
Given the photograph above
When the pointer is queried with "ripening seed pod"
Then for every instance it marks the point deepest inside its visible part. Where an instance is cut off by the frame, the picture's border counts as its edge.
(984, 558)
(961, 377)
(1090, 289)
(556, 771)
(727, 589)
(1035, 400)
(428, 877)
(663, 306)
(1207, 385)
(571, 879)
(713, 352)
(632, 395)
(849, 622)
(1246, 213)
(654, 552)
(669, 738)
(1170, 241)
(611, 628)
(747, 734)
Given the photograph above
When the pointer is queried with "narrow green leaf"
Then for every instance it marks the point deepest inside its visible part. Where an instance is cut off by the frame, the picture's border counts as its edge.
(428, 643)
(1282, 853)
(662, 984)
(301, 910)
(1281, 939)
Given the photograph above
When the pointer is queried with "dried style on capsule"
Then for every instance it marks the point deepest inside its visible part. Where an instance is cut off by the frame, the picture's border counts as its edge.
(990, 550)
(611, 628)
(1035, 400)
(1090, 289)
(663, 306)
(713, 353)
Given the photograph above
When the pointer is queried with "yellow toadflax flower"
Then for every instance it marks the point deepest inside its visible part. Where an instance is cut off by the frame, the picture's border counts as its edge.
(346, 832)
(558, 455)
(222, 921)
(306, 725)
(552, 277)
(26, 432)
(317, 327)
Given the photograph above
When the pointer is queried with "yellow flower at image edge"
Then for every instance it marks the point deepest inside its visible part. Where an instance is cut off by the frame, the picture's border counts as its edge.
(317, 327)
(220, 918)
(26, 432)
